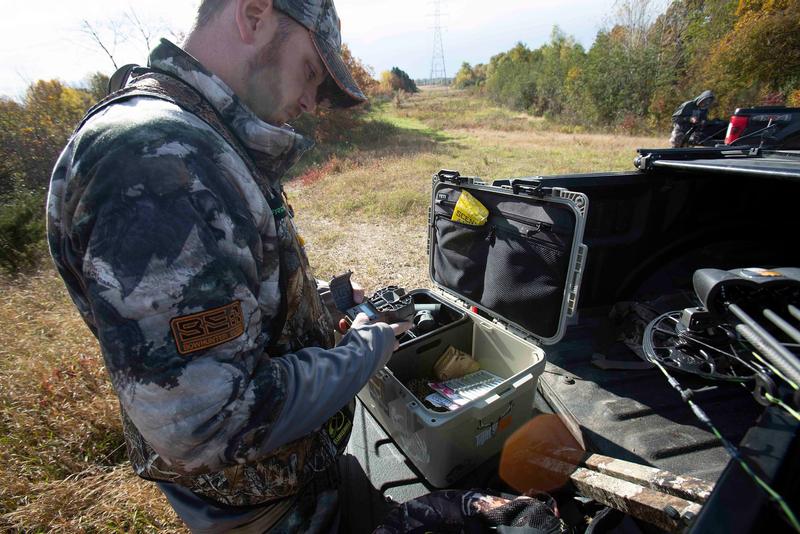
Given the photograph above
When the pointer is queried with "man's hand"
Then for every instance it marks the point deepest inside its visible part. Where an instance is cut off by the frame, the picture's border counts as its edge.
(358, 292)
(327, 298)
(398, 328)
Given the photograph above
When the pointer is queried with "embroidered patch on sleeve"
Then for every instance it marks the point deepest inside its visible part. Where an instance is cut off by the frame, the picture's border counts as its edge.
(208, 328)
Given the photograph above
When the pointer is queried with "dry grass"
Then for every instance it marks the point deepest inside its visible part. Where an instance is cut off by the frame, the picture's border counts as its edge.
(496, 154)
(98, 500)
(360, 205)
(369, 213)
(380, 255)
(62, 444)
(445, 109)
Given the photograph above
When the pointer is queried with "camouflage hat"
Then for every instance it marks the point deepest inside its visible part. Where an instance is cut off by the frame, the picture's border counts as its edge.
(320, 17)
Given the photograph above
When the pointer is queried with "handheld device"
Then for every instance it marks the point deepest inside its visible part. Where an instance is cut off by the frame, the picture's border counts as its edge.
(390, 304)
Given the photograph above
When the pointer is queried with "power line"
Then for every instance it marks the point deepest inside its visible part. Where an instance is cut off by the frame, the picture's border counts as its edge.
(438, 72)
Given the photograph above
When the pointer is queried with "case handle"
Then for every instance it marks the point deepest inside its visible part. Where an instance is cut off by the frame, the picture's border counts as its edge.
(446, 175)
(507, 411)
(532, 188)
(577, 275)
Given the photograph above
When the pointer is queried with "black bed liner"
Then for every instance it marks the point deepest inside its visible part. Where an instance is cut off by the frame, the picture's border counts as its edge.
(635, 415)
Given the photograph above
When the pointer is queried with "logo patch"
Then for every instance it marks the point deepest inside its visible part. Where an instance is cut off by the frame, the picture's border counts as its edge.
(338, 427)
(208, 328)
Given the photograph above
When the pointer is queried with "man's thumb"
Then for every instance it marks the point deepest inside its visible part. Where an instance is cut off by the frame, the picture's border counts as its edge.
(343, 326)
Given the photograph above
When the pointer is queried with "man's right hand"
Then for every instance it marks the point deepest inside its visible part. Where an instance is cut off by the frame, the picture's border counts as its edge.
(362, 319)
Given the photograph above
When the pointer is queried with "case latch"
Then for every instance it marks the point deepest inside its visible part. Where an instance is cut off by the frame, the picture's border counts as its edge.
(532, 188)
(446, 175)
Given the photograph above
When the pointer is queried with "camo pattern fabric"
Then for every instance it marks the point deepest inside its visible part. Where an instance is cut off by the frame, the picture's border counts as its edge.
(321, 19)
(154, 218)
(472, 512)
(318, 16)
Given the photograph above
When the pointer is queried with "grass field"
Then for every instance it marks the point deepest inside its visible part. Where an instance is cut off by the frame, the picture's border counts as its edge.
(362, 206)
(368, 211)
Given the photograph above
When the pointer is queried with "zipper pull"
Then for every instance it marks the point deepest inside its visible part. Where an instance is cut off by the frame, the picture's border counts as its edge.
(491, 236)
(540, 227)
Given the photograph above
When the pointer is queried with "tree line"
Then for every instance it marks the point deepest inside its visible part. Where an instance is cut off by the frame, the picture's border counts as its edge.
(641, 67)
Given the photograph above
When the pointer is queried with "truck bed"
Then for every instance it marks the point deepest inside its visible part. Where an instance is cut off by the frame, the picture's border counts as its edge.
(635, 415)
(647, 232)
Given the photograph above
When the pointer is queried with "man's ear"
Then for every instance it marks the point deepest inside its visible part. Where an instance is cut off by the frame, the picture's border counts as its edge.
(252, 16)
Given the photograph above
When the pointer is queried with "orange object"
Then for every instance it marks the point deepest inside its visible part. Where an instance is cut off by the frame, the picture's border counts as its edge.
(540, 456)
(503, 423)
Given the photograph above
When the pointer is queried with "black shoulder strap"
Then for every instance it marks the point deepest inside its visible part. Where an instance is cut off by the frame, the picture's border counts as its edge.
(119, 79)
(153, 83)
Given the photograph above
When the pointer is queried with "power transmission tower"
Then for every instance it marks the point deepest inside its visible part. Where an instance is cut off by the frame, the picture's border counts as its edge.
(438, 73)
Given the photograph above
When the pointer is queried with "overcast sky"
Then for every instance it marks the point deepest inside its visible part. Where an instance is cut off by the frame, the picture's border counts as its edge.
(45, 39)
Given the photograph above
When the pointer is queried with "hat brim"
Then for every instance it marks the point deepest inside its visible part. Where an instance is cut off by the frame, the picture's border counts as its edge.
(343, 91)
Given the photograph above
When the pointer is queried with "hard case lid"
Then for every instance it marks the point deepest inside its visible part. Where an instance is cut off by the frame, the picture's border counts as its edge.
(523, 266)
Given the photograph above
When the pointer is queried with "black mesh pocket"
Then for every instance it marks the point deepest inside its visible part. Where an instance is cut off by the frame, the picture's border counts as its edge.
(525, 280)
(459, 257)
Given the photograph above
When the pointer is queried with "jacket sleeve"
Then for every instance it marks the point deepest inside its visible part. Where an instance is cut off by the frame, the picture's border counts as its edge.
(160, 233)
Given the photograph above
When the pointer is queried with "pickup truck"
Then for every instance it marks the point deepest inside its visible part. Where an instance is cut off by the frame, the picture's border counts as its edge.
(768, 126)
(648, 230)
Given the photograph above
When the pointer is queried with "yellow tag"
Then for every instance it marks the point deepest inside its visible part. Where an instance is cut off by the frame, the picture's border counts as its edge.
(469, 210)
(301, 241)
(764, 273)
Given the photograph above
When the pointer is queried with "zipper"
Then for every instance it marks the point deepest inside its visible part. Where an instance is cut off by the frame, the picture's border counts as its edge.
(538, 226)
(491, 232)
(530, 235)
(459, 223)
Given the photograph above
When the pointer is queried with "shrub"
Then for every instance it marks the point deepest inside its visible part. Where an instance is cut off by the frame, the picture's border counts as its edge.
(22, 232)
(335, 125)
(794, 98)
(397, 80)
(33, 132)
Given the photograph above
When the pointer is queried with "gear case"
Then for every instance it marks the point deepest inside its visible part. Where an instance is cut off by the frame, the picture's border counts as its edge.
(506, 288)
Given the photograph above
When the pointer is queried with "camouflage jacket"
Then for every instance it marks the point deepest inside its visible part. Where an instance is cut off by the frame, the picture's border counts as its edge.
(180, 255)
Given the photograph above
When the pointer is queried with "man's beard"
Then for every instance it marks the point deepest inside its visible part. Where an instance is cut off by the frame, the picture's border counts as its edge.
(269, 56)
(266, 96)
(264, 75)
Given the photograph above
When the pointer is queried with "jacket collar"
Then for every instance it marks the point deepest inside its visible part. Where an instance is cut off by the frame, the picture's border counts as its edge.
(275, 149)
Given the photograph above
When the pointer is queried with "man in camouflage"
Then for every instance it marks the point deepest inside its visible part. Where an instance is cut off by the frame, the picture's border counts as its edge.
(167, 222)
(691, 115)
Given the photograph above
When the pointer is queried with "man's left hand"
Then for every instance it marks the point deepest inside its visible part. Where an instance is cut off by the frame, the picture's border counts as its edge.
(358, 292)
(358, 298)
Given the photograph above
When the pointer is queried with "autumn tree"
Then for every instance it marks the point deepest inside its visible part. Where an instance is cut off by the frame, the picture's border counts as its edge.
(511, 77)
(397, 80)
(759, 58)
(364, 75)
(335, 125)
(465, 77)
(33, 132)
